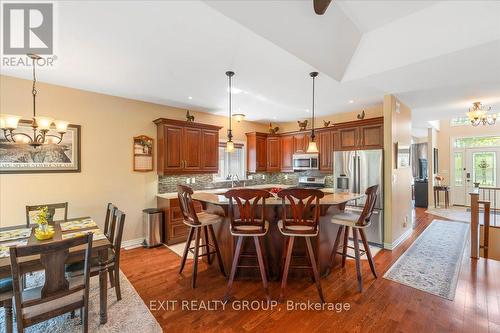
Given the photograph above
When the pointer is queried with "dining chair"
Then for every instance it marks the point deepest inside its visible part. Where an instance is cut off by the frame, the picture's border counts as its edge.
(303, 223)
(6, 294)
(358, 223)
(58, 295)
(198, 222)
(112, 264)
(248, 221)
(108, 230)
(52, 211)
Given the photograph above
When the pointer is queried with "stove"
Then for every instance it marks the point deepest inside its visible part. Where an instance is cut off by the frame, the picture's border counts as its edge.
(312, 182)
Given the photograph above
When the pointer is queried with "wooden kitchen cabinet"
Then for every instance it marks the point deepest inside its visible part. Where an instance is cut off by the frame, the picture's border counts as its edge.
(174, 229)
(361, 134)
(273, 153)
(325, 146)
(186, 147)
(300, 143)
(256, 152)
(372, 136)
(349, 138)
(287, 151)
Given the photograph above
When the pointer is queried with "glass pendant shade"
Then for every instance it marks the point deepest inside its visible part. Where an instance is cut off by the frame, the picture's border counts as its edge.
(61, 126)
(229, 146)
(9, 121)
(238, 117)
(313, 147)
(44, 123)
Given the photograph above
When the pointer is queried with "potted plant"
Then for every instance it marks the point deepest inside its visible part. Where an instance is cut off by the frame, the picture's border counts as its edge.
(438, 179)
(43, 230)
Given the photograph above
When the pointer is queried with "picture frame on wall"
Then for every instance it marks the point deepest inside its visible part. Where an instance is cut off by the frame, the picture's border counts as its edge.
(435, 159)
(402, 155)
(20, 157)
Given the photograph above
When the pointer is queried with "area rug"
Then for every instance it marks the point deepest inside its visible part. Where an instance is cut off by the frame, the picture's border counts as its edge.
(452, 213)
(128, 315)
(432, 263)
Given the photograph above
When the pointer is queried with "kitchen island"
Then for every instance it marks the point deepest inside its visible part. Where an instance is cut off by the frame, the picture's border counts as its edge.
(273, 243)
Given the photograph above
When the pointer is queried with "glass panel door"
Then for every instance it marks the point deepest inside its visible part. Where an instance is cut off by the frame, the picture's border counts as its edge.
(483, 167)
(458, 178)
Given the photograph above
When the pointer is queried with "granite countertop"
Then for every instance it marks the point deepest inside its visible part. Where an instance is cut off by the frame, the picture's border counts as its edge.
(213, 194)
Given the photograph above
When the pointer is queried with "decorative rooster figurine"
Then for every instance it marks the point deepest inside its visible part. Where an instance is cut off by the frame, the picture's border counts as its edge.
(302, 125)
(326, 123)
(361, 115)
(273, 130)
(189, 117)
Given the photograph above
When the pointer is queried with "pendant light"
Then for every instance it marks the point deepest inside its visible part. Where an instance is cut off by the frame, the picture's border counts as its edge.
(312, 148)
(229, 143)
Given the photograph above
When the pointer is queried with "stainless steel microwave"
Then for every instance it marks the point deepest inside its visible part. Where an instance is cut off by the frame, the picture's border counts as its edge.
(305, 162)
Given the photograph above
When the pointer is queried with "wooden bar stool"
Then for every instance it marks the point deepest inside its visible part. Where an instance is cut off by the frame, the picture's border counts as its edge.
(246, 223)
(357, 223)
(196, 222)
(304, 205)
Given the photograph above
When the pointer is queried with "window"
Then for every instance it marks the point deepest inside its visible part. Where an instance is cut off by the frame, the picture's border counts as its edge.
(484, 168)
(487, 141)
(231, 163)
(462, 121)
(459, 167)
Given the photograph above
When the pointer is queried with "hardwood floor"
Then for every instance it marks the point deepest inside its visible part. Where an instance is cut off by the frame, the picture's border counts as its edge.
(384, 306)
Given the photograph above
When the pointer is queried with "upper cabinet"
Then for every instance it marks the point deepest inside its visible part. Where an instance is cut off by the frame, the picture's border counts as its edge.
(300, 143)
(361, 134)
(287, 150)
(325, 146)
(273, 153)
(187, 147)
(256, 152)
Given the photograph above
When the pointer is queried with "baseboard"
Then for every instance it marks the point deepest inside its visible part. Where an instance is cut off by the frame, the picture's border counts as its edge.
(132, 243)
(393, 245)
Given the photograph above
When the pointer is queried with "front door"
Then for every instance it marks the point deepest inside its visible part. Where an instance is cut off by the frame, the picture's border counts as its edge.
(481, 166)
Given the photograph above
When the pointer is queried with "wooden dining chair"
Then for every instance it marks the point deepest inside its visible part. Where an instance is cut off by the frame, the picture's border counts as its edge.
(197, 222)
(248, 221)
(358, 223)
(58, 295)
(303, 223)
(108, 221)
(6, 295)
(117, 223)
(52, 211)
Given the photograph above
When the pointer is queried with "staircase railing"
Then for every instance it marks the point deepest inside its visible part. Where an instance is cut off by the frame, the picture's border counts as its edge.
(482, 196)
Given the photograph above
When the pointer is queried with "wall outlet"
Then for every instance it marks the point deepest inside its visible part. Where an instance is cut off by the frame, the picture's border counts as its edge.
(286, 177)
(250, 177)
(193, 180)
(405, 223)
(263, 176)
(188, 180)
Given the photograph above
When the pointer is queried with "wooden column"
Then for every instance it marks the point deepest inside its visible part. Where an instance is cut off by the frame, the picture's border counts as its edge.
(474, 223)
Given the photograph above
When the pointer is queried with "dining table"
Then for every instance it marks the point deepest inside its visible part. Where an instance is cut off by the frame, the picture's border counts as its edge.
(332, 203)
(100, 249)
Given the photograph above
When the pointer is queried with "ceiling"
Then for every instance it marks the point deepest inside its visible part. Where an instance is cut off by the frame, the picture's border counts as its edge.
(436, 56)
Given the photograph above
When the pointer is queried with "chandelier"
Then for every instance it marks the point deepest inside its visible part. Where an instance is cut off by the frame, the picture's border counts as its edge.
(478, 114)
(40, 125)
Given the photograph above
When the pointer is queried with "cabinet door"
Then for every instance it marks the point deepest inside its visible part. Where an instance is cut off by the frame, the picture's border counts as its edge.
(273, 153)
(192, 147)
(348, 138)
(172, 148)
(325, 143)
(210, 150)
(261, 153)
(287, 153)
(372, 136)
(300, 142)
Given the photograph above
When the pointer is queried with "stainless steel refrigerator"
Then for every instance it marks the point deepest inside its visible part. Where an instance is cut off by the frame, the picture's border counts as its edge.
(354, 171)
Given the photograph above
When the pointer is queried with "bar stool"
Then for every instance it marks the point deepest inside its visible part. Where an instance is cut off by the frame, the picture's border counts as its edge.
(358, 223)
(303, 224)
(246, 224)
(196, 222)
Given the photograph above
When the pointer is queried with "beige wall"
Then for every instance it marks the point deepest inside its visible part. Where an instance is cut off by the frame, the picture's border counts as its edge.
(397, 206)
(108, 125)
(370, 112)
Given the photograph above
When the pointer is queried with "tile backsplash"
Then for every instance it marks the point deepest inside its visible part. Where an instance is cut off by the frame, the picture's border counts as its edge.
(168, 184)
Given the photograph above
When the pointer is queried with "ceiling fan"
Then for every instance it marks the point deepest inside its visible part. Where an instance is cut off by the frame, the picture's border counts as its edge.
(320, 6)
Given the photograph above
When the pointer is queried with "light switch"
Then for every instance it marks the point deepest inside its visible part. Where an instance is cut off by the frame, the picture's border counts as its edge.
(193, 180)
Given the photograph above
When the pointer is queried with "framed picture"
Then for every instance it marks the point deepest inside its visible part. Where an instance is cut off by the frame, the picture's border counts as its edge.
(20, 157)
(403, 155)
(143, 153)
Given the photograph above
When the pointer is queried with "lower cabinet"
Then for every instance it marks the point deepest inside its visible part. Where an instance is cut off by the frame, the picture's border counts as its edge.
(174, 229)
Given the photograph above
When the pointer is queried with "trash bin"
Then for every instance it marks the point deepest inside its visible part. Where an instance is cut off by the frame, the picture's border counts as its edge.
(153, 226)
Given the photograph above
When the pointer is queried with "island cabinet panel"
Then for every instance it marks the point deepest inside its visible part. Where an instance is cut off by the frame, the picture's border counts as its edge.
(256, 151)
(273, 153)
(300, 143)
(287, 151)
(325, 146)
(174, 229)
(187, 147)
(210, 152)
(372, 136)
